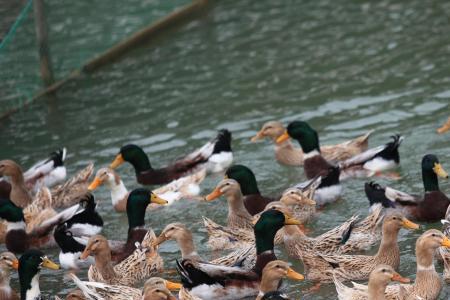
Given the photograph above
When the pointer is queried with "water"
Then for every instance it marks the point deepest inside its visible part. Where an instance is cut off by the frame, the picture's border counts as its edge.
(344, 66)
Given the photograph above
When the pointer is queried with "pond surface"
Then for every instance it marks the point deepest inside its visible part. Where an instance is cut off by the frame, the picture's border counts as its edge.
(344, 66)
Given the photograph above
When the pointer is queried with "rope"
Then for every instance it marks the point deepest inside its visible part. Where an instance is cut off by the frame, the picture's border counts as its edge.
(16, 24)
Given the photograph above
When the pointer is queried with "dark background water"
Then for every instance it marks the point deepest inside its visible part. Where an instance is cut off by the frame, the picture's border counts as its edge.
(344, 66)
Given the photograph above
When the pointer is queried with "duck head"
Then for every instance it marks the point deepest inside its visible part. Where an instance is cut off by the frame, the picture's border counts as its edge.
(245, 177)
(134, 155)
(137, 203)
(271, 130)
(304, 134)
(431, 169)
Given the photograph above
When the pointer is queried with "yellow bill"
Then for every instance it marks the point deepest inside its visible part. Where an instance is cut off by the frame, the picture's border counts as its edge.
(409, 225)
(294, 275)
(156, 199)
(290, 220)
(446, 242)
(117, 161)
(282, 138)
(47, 263)
(439, 170)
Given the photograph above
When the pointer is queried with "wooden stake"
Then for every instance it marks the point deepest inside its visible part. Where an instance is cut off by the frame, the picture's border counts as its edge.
(42, 42)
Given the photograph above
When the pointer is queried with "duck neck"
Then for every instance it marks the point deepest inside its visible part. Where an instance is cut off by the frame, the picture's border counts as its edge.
(264, 248)
(269, 283)
(104, 265)
(389, 246)
(29, 286)
(376, 290)
(140, 162)
(430, 180)
(186, 244)
(5, 276)
(428, 281)
(237, 213)
(119, 193)
(19, 225)
(19, 193)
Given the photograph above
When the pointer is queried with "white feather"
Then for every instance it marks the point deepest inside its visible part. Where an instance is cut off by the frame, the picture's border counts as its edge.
(327, 194)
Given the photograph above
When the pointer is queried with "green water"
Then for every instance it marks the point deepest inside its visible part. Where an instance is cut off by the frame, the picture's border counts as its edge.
(344, 66)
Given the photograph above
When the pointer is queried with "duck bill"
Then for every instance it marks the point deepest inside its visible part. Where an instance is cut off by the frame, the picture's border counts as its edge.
(85, 253)
(282, 138)
(173, 286)
(117, 161)
(294, 275)
(15, 264)
(260, 135)
(439, 170)
(95, 184)
(445, 127)
(47, 263)
(290, 221)
(409, 225)
(159, 240)
(158, 200)
(446, 242)
(399, 278)
(214, 195)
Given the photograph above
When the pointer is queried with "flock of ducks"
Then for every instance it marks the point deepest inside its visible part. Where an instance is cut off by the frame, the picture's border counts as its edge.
(39, 210)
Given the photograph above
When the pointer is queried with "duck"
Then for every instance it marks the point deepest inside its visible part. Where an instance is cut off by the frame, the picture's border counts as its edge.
(30, 264)
(18, 240)
(215, 155)
(444, 128)
(138, 201)
(430, 207)
(301, 203)
(142, 263)
(374, 161)
(70, 249)
(8, 261)
(253, 200)
(314, 164)
(358, 267)
(209, 281)
(69, 192)
(428, 283)
(238, 216)
(287, 154)
(444, 253)
(184, 187)
(272, 275)
(47, 172)
(88, 221)
(243, 256)
(98, 290)
(379, 279)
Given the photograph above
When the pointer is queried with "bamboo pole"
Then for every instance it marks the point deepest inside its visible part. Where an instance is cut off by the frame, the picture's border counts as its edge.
(42, 42)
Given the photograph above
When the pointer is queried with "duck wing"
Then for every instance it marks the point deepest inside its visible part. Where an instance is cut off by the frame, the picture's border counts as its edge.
(47, 226)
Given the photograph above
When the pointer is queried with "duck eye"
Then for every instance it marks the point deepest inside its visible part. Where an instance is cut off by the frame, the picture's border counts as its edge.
(434, 234)
(97, 241)
(384, 270)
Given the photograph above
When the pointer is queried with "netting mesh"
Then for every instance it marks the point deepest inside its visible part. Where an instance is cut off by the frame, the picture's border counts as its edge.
(78, 31)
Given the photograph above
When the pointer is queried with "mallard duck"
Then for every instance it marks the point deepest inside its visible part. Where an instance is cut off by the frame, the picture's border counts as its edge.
(444, 128)
(47, 172)
(215, 156)
(70, 249)
(238, 216)
(428, 283)
(142, 263)
(184, 187)
(314, 164)
(358, 267)
(253, 200)
(244, 256)
(430, 207)
(8, 261)
(98, 290)
(138, 201)
(272, 274)
(379, 278)
(30, 264)
(302, 206)
(17, 239)
(209, 281)
(287, 154)
(374, 161)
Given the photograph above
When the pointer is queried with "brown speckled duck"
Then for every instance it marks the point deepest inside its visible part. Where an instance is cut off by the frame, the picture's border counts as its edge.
(444, 128)
(287, 154)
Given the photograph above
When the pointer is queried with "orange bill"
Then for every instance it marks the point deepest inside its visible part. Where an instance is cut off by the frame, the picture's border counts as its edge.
(15, 264)
(445, 127)
(117, 161)
(409, 225)
(173, 286)
(294, 275)
(95, 184)
(214, 195)
(399, 278)
(258, 136)
(282, 138)
(446, 242)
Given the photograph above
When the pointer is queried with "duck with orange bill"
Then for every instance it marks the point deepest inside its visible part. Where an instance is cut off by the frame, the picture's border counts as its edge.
(287, 154)
(8, 261)
(430, 207)
(215, 156)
